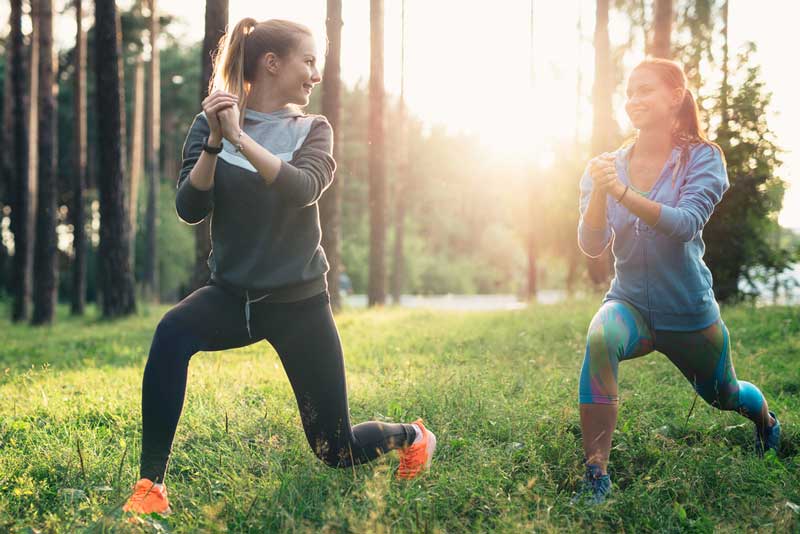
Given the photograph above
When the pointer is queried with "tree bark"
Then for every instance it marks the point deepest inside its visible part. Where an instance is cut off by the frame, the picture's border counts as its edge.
(216, 21)
(331, 203)
(137, 151)
(376, 293)
(662, 29)
(79, 242)
(401, 188)
(153, 167)
(23, 204)
(45, 266)
(604, 129)
(116, 278)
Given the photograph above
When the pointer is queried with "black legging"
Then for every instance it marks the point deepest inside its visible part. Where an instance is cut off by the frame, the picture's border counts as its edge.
(305, 337)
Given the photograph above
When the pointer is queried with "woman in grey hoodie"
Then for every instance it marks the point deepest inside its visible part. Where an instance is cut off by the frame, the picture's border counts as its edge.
(259, 174)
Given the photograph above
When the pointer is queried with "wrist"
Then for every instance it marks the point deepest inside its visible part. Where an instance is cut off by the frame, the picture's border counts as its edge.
(620, 192)
(215, 138)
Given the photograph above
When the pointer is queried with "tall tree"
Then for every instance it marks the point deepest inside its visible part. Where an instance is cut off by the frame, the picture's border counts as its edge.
(534, 192)
(22, 202)
(137, 149)
(724, 90)
(662, 29)
(45, 266)
(330, 204)
(79, 180)
(6, 165)
(401, 189)
(216, 21)
(604, 128)
(116, 277)
(153, 166)
(376, 291)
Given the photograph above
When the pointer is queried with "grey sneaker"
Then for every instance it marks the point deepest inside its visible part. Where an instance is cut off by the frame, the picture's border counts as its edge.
(770, 439)
(594, 488)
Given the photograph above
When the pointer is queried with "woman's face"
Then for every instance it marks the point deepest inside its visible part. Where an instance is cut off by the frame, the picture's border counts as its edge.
(651, 103)
(297, 73)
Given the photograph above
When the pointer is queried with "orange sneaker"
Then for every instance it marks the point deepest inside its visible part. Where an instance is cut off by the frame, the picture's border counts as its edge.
(148, 498)
(417, 457)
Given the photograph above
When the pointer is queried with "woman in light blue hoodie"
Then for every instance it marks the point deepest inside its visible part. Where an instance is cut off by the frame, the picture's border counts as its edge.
(651, 198)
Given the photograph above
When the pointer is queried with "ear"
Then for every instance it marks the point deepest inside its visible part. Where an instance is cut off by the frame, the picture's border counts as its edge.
(271, 62)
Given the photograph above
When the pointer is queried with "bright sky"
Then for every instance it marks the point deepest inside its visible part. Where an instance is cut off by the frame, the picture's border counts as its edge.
(471, 71)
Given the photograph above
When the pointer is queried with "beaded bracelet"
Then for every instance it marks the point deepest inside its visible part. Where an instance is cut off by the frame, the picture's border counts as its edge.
(238, 143)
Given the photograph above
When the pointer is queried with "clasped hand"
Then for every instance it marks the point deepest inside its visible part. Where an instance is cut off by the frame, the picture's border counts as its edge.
(603, 172)
(222, 113)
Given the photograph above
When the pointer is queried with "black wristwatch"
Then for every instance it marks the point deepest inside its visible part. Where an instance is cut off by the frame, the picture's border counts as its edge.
(211, 149)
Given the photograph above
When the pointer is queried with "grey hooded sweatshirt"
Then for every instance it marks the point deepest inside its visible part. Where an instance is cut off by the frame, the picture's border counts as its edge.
(265, 238)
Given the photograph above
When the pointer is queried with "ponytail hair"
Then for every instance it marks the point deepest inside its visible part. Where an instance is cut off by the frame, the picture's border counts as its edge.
(686, 130)
(239, 51)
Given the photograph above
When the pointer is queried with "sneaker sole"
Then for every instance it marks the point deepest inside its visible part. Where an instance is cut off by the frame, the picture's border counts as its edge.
(431, 447)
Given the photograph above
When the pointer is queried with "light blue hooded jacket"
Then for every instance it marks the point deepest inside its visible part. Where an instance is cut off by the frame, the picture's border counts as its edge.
(660, 269)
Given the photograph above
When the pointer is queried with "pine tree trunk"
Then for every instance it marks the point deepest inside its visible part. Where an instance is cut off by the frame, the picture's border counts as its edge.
(725, 89)
(331, 203)
(401, 191)
(19, 154)
(604, 129)
(79, 242)
(531, 287)
(662, 29)
(216, 21)
(376, 292)
(137, 151)
(45, 266)
(6, 166)
(23, 205)
(401, 185)
(153, 167)
(116, 278)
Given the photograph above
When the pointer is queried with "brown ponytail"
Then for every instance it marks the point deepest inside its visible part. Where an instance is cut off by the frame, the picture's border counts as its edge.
(239, 51)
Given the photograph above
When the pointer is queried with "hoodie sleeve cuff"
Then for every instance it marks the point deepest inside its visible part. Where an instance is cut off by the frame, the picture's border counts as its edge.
(668, 220)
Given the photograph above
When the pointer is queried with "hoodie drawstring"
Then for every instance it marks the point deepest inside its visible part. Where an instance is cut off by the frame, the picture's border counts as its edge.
(247, 310)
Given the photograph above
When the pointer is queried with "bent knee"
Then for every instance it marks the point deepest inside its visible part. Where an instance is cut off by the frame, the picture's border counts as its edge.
(330, 453)
(171, 339)
(722, 396)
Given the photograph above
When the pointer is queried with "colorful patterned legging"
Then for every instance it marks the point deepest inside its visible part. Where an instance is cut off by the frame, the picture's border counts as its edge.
(619, 332)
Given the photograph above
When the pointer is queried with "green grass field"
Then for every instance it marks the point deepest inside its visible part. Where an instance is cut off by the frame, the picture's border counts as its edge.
(499, 389)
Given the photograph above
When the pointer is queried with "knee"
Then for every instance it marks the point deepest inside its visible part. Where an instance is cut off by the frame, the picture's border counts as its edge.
(596, 339)
(171, 340)
(740, 396)
(750, 400)
(329, 453)
(603, 347)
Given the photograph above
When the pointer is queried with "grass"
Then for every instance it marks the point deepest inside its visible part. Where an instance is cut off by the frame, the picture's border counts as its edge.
(499, 389)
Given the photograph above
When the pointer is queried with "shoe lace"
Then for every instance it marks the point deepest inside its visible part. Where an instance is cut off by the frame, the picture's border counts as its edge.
(411, 458)
(141, 491)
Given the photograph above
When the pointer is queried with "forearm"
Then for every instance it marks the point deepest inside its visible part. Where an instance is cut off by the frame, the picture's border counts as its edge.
(646, 209)
(595, 216)
(202, 175)
(266, 163)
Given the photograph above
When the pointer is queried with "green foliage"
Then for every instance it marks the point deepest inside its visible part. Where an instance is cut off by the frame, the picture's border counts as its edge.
(499, 390)
(739, 237)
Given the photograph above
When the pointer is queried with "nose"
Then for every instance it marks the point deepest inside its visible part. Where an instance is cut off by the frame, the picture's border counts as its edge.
(315, 76)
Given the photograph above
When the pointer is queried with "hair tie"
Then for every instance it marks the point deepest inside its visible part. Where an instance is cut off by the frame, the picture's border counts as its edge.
(249, 25)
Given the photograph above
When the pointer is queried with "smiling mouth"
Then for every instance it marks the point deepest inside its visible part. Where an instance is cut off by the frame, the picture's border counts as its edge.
(308, 87)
